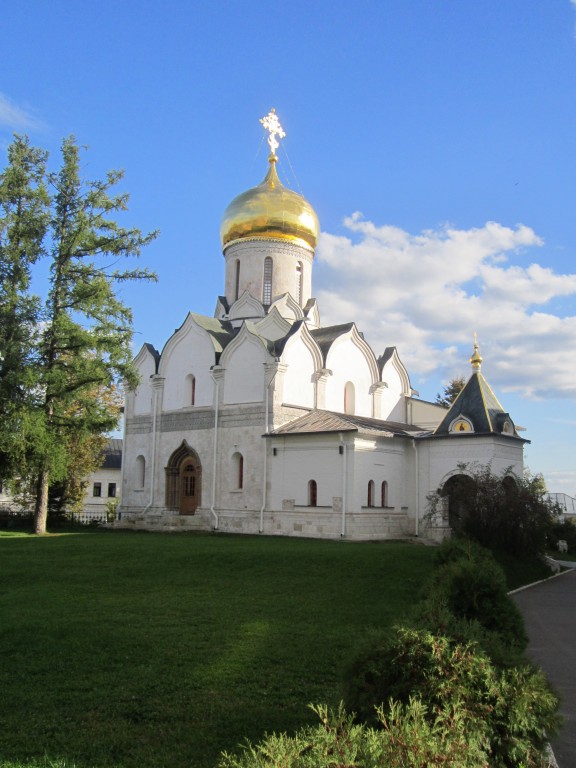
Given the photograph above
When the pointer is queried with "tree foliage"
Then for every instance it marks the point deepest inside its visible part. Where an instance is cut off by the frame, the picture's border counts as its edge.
(24, 221)
(450, 392)
(499, 511)
(75, 346)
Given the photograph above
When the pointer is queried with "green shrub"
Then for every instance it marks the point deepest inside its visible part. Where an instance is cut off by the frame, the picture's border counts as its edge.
(458, 547)
(510, 710)
(499, 511)
(407, 736)
(435, 616)
(563, 531)
(473, 589)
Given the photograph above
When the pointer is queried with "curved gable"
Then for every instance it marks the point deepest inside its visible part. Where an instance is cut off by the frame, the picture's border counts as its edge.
(245, 308)
(302, 358)
(243, 361)
(145, 362)
(288, 307)
(352, 362)
(395, 377)
(190, 351)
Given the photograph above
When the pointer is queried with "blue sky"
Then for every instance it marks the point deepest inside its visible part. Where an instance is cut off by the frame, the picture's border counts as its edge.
(435, 139)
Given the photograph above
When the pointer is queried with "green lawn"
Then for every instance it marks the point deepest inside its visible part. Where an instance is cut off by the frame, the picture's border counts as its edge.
(162, 650)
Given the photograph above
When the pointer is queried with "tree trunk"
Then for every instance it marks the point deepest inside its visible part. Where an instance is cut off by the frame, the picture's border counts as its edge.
(41, 508)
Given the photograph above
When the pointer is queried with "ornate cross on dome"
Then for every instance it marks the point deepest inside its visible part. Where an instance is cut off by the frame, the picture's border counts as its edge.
(272, 125)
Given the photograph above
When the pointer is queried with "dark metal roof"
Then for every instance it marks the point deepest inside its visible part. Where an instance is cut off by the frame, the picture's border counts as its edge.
(325, 337)
(383, 359)
(113, 454)
(318, 421)
(477, 403)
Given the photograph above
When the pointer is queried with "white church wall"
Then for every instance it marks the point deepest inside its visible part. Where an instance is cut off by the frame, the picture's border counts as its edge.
(298, 382)
(348, 364)
(380, 461)
(439, 459)
(424, 414)
(189, 353)
(300, 459)
(241, 436)
(244, 366)
(142, 397)
(392, 401)
(135, 491)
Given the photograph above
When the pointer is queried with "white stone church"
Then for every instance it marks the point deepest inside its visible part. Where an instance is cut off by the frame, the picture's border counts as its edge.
(262, 420)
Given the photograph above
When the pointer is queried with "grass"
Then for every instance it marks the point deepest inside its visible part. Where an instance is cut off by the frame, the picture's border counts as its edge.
(157, 650)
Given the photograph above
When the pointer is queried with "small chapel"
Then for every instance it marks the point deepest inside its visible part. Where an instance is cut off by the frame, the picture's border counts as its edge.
(262, 420)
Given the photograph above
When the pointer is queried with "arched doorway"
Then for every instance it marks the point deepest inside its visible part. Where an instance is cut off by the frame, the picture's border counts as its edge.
(184, 480)
(458, 491)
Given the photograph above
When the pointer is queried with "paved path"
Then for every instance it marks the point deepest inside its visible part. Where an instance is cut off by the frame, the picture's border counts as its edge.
(549, 610)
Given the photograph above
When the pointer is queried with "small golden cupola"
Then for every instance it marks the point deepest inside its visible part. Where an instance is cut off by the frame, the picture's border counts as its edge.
(476, 359)
(270, 210)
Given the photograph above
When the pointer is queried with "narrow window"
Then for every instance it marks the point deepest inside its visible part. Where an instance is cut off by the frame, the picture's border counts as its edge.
(238, 471)
(384, 494)
(111, 490)
(237, 281)
(312, 494)
(191, 389)
(349, 398)
(371, 493)
(140, 471)
(267, 285)
(299, 277)
(97, 490)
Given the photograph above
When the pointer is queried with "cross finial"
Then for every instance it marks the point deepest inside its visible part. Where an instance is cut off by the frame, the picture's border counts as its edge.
(476, 359)
(272, 125)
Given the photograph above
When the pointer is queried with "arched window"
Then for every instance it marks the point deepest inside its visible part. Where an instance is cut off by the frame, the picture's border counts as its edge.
(299, 278)
(312, 494)
(190, 396)
(370, 493)
(140, 472)
(237, 471)
(237, 280)
(267, 284)
(349, 398)
(384, 494)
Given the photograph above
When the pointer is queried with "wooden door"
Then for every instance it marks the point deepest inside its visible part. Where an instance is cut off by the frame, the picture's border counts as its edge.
(189, 486)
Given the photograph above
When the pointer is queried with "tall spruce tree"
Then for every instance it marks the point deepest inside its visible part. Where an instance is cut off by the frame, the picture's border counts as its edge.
(87, 333)
(63, 357)
(24, 219)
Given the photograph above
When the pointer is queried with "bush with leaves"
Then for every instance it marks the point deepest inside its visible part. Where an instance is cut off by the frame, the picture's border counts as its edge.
(466, 598)
(501, 512)
(563, 531)
(407, 735)
(512, 711)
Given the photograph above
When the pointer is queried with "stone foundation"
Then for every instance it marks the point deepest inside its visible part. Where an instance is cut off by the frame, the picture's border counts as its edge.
(307, 522)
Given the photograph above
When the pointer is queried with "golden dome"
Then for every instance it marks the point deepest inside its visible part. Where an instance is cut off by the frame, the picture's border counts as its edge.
(270, 210)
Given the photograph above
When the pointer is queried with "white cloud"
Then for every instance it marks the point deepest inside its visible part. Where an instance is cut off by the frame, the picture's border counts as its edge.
(428, 293)
(16, 118)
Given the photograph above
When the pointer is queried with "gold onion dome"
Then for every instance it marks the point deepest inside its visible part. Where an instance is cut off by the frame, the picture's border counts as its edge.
(270, 211)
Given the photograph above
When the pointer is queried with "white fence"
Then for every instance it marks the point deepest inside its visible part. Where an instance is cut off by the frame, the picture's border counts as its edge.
(567, 503)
